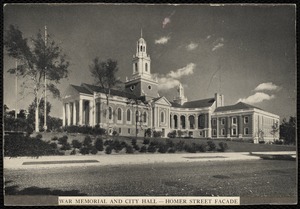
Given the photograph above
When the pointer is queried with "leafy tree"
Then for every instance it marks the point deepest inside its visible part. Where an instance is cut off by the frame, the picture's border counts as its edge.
(288, 130)
(32, 111)
(104, 73)
(36, 61)
(274, 131)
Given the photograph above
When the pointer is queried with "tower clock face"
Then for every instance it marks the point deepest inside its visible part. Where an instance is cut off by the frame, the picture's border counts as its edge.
(132, 87)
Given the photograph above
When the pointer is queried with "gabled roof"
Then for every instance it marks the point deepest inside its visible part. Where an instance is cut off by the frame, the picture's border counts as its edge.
(195, 104)
(163, 99)
(113, 92)
(237, 106)
(81, 89)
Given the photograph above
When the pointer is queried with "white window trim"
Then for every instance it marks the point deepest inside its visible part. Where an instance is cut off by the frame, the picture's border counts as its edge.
(214, 132)
(164, 118)
(129, 121)
(235, 121)
(222, 134)
(235, 131)
(222, 119)
(119, 121)
(245, 119)
(245, 131)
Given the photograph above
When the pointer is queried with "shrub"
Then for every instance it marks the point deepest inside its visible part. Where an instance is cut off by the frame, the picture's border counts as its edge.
(76, 144)
(201, 147)
(66, 146)
(162, 148)
(108, 149)
(129, 149)
(154, 143)
(124, 144)
(115, 133)
(133, 141)
(39, 136)
(211, 146)
(146, 141)
(73, 152)
(172, 150)
(84, 151)
(151, 149)
(136, 147)
(143, 149)
(180, 146)
(179, 133)
(169, 143)
(148, 132)
(55, 138)
(190, 148)
(63, 140)
(53, 145)
(172, 134)
(223, 146)
(99, 144)
(116, 145)
(157, 134)
(108, 142)
(87, 141)
(94, 151)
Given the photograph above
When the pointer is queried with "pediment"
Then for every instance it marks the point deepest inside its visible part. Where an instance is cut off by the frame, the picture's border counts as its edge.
(163, 101)
(70, 92)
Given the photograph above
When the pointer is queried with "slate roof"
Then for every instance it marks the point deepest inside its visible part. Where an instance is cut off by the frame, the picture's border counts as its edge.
(81, 89)
(195, 104)
(112, 91)
(237, 106)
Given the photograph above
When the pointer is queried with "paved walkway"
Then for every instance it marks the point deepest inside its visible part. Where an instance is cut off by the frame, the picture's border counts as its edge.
(127, 159)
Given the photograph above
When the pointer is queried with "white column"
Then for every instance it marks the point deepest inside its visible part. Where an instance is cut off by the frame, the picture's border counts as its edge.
(74, 113)
(94, 109)
(91, 110)
(209, 125)
(196, 121)
(68, 114)
(217, 126)
(64, 114)
(80, 112)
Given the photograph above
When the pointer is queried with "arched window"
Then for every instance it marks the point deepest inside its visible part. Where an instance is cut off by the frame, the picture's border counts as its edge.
(135, 67)
(145, 117)
(146, 67)
(162, 117)
(137, 116)
(110, 113)
(141, 48)
(119, 114)
(128, 115)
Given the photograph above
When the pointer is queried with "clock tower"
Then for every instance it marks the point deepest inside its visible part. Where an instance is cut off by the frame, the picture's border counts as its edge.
(142, 82)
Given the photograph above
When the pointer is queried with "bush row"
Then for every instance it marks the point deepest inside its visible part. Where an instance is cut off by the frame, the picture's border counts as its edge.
(85, 130)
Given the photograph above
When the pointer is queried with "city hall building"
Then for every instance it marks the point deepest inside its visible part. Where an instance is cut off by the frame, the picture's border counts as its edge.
(139, 106)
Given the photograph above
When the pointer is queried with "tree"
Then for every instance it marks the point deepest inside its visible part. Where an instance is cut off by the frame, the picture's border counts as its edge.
(32, 111)
(37, 61)
(104, 73)
(274, 130)
(288, 130)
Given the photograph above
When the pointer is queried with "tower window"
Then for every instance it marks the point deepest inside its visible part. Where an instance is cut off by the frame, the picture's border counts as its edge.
(146, 67)
(119, 114)
(141, 48)
(128, 115)
(135, 67)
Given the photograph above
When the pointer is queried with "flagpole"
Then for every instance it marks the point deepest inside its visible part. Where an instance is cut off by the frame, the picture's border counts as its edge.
(16, 105)
(45, 99)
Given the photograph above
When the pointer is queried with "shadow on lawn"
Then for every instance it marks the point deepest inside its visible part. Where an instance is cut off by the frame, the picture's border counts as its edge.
(13, 190)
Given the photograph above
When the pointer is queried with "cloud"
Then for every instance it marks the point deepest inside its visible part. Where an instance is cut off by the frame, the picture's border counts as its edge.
(208, 37)
(218, 44)
(167, 20)
(187, 70)
(171, 80)
(267, 86)
(191, 46)
(257, 98)
(162, 40)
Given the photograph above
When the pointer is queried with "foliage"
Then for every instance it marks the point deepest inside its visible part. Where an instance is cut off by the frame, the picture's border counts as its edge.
(129, 149)
(94, 151)
(211, 146)
(151, 149)
(108, 149)
(76, 144)
(172, 134)
(35, 62)
(39, 136)
(27, 146)
(87, 142)
(85, 150)
(172, 150)
(201, 147)
(180, 133)
(288, 130)
(136, 147)
(148, 132)
(157, 134)
(143, 149)
(223, 146)
(163, 148)
(99, 144)
(18, 124)
(66, 146)
(85, 130)
(63, 140)
(146, 141)
(180, 146)
(73, 152)
(55, 138)
(133, 141)
(170, 143)
(190, 148)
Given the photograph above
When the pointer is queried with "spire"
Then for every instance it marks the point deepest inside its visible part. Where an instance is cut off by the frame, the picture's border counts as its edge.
(141, 32)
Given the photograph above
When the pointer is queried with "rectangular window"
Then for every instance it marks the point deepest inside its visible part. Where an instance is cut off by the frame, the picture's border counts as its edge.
(223, 131)
(120, 130)
(234, 131)
(246, 120)
(214, 132)
(200, 133)
(223, 121)
(129, 130)
(246, 131)
(234, 120)
(214, 122)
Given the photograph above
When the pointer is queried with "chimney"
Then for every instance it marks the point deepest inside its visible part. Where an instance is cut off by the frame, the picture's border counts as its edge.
(219, 98)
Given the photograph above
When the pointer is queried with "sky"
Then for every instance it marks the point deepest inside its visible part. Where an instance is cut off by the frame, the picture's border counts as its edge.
(246, 52)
